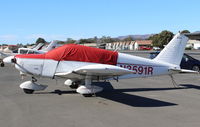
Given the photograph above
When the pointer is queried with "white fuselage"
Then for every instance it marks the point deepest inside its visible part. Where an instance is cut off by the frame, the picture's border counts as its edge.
(141, 67)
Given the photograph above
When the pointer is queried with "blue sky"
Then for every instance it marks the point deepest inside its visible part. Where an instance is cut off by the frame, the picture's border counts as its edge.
(23, 21)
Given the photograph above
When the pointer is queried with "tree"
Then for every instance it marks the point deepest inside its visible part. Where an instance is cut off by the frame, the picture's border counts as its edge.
(95, 39)
(185, 31)
(20, 45)
(70, 41)
(89, 40)
(40, 40)
(107, 39)
(61, 42)
(161, 39)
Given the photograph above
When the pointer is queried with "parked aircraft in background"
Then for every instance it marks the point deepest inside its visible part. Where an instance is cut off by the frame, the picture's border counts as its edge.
(42, 50)
(81, 65)
(38, 49)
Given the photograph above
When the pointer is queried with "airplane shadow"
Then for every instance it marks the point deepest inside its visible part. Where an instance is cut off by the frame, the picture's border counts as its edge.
(121, 95)
(59, 92)
(190, 86)
(134, 100)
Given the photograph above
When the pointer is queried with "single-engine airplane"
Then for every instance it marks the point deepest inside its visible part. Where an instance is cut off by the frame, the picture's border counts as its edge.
(41, 50)
(38, 49)
(81, 65)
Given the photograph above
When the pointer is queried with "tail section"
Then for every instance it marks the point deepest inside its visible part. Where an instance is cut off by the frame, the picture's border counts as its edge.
(38, 46)
(173, 52)
(51, 46)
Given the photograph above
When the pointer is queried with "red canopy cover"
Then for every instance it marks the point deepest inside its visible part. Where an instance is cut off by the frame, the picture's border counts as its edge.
(74, 52)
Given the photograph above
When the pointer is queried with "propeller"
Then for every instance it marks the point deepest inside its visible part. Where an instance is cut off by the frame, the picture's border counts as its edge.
(12, 59)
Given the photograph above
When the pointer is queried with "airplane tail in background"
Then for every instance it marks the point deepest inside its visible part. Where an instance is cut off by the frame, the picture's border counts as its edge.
(173, 52)
(51, 46)
(38, 46)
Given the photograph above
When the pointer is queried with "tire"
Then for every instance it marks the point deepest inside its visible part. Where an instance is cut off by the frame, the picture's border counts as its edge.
(74, 86)
(28, 91)
(87, 95)
(195, 68)
(2, 64)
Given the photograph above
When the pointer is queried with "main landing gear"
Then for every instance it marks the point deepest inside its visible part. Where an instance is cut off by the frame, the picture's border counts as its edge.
(30, 86)
(72, 84)
(88, 89)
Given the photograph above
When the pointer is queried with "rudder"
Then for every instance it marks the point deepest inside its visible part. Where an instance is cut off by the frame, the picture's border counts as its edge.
(173, 52)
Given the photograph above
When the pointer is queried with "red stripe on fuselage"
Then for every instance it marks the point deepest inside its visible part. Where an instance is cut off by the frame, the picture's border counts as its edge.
(31, 56)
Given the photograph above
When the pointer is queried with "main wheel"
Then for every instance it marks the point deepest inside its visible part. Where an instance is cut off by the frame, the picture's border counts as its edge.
(28, 91)
(195, 68)
(88, 95)
(74, 86)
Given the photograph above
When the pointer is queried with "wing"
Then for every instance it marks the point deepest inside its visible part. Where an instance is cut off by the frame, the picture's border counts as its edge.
(96, 71)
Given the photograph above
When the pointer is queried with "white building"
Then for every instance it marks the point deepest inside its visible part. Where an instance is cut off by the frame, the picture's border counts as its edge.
(129, 45)
(195, 44)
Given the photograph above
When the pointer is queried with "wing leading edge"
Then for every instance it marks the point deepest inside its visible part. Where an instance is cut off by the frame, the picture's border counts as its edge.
(97, 70)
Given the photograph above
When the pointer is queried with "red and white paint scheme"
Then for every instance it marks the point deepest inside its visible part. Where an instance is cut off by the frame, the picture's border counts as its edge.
(81, 65)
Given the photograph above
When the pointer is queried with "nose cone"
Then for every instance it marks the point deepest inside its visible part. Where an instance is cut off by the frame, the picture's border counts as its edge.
(8, 59)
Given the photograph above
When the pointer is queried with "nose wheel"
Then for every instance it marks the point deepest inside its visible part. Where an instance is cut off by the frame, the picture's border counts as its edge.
(28, 91)
(88, 95)
(2, 63)
(30, 86)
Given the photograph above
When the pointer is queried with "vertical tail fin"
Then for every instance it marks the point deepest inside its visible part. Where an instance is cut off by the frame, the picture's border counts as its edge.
(173, 52)
(51, 46)
(38, 46)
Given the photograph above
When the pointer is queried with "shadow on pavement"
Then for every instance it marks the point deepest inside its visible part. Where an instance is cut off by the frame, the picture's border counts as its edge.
(190, 86)
(120, 95)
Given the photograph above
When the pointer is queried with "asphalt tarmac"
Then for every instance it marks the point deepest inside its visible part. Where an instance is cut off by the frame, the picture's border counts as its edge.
(144, 102)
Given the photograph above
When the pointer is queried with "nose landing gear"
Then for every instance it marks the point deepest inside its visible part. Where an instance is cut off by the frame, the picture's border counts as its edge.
(2, 63)
(30, 86)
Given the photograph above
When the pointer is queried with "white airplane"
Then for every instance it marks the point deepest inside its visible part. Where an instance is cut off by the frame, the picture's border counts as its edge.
(7, 52)
(81, 65)
(35, 50)
(28, 50)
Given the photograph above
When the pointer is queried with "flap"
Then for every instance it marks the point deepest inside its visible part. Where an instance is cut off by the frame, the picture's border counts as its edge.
(103, 70)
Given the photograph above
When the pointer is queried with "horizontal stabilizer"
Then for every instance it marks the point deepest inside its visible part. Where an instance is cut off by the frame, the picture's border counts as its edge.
(183, 71)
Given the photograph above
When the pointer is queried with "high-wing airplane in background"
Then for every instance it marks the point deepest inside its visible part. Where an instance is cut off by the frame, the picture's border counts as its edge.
(38, 49)
(41, 50)
(81, 65)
